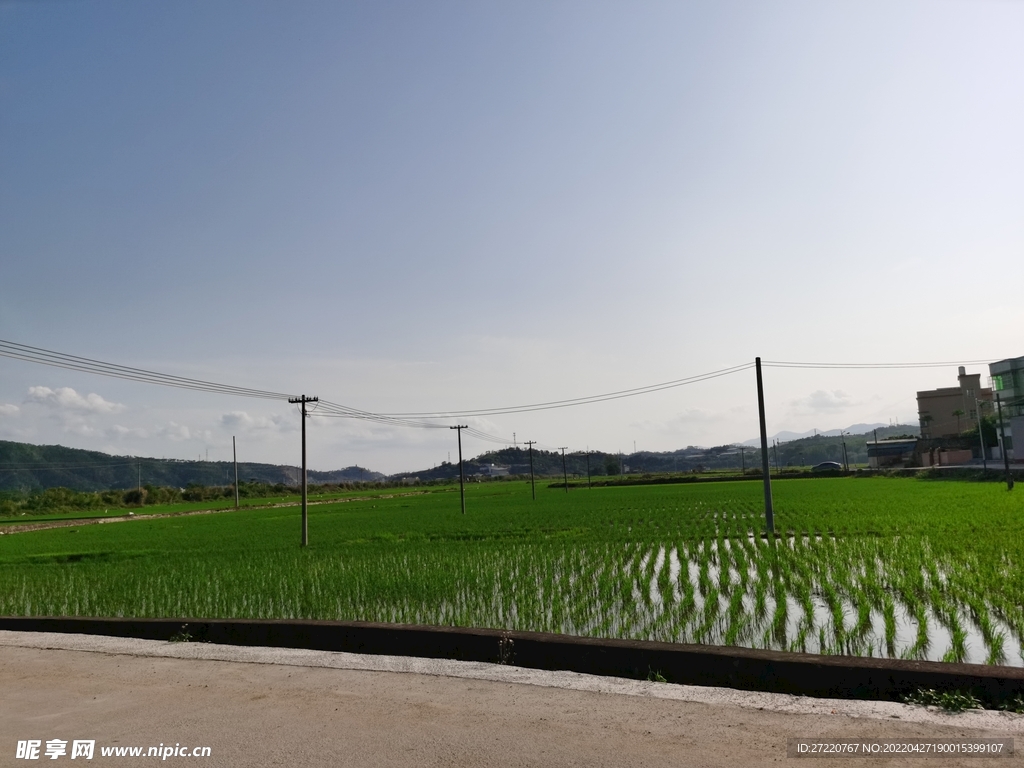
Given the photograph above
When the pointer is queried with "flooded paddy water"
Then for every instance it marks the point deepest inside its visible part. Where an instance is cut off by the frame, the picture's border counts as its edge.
(812, 625)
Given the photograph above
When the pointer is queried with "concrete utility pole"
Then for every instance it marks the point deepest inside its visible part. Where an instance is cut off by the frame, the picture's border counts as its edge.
(769, 513)
(462, 474)
(1006, 457)
(981, 434)
(533, 488)
(846, 460)
(301, 401)
(234, 452)
(565, 474)
(743, 461)
(588, 468)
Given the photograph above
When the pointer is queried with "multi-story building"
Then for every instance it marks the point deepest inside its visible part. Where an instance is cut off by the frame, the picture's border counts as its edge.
(1008, 384)
(949, 411)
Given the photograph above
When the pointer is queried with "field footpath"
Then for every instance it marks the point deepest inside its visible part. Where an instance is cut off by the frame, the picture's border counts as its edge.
(6, 528)
(848, 677)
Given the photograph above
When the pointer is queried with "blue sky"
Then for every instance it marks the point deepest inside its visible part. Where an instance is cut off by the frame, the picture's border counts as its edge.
(435, 206)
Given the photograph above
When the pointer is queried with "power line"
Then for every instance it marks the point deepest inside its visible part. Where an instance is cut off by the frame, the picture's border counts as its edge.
(337, 410)
(871, 366)
(48, 357)
(88, 365)
(51, 358)
(577, 400)
(418, 420)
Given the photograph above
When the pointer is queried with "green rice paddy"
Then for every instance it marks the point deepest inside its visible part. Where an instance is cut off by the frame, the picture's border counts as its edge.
(868, 566)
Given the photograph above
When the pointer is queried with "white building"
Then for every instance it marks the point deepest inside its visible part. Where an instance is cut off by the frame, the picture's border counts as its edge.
(493, 470)
(1008, 386)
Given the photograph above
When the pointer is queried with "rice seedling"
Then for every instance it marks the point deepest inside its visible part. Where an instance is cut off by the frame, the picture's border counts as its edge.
(736, 619)
(996, 649)
(665, 562)
(780, 617)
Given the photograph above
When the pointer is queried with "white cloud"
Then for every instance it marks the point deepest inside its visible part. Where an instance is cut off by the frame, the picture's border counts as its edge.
(243, 422)
(65, 398)
(176, 432)
(824, 401)
(684, 421)
(9, 409)
(120, 432)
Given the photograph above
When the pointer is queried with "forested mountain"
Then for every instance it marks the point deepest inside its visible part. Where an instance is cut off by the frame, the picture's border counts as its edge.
(31, 467)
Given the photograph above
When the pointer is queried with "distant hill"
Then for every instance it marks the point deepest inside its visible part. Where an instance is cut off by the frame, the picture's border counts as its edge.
(853, 429)
(33, 467)
(804, 451)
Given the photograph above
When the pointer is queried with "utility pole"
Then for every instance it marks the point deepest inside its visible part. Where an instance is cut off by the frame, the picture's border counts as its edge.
(565, 474)
(981, 434)
(234, 452)
(140, 482)
(533, 488)
(743, 461)
(301, 401)
(846, 461)
(775, 450)
(769, 513)
(1006, 457)
(462, 474)
(588, 468)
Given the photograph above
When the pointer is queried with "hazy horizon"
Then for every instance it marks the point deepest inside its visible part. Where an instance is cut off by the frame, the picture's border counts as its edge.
(404, 208)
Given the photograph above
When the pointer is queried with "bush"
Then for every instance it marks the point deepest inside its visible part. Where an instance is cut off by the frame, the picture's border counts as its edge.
(136, 497)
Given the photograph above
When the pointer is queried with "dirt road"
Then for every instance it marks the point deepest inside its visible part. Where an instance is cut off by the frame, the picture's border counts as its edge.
(277, 707)
(7, 527)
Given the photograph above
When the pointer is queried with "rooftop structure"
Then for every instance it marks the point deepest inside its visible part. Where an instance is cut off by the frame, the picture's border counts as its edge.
(949, 411)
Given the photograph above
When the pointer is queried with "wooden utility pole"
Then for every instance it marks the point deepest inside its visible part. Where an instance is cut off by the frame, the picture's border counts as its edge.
(769, 513)
(462, 475)
(234, 453)
(565, 474)
(302, 400)
(533, 488)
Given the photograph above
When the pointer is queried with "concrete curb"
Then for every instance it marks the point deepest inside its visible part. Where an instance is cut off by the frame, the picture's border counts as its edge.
(844, 677)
